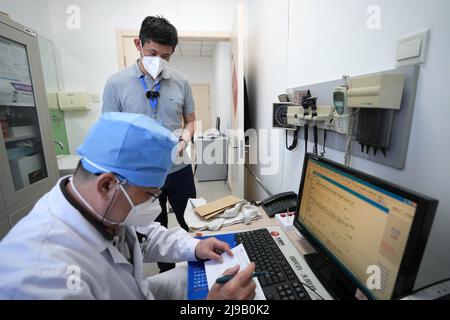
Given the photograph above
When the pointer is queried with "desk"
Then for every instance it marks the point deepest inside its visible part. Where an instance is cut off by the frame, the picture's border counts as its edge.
(301, 244)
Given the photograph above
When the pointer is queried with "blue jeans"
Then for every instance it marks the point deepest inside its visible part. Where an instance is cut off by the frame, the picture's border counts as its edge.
(178, 188)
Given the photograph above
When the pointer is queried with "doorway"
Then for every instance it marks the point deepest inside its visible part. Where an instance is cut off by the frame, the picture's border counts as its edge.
(201, 95)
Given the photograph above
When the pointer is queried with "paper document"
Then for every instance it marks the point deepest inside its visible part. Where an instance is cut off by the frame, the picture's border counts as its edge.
(216, 269)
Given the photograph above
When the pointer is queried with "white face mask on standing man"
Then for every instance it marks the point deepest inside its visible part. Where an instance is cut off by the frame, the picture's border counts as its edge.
(154, 65)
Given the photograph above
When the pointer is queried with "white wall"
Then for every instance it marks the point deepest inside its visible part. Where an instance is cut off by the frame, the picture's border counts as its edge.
(196, 69)
(88, 56)
(221, 97)
(329, 38)
(266, 66)
(31, 13)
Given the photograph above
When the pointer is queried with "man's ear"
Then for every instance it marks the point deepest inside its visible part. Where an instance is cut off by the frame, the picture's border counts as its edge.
(106, 183)
(137, 43)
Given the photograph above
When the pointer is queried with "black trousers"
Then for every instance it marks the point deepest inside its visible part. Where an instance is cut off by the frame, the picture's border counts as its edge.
(178, 188)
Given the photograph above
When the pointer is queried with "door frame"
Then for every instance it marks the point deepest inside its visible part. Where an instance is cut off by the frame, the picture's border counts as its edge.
(236, 143)
(209, 91)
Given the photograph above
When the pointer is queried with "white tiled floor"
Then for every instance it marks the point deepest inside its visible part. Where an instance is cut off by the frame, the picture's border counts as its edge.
(211, 190)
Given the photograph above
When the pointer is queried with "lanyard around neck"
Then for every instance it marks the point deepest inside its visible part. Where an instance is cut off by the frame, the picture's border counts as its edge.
(152, 100)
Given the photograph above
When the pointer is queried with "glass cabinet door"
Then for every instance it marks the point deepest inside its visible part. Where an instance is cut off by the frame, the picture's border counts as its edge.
(18, 116)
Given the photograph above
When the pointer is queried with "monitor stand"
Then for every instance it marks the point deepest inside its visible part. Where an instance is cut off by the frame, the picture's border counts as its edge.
(334, 280)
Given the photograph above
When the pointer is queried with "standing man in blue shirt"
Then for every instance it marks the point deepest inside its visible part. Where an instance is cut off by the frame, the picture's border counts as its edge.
(152, 88)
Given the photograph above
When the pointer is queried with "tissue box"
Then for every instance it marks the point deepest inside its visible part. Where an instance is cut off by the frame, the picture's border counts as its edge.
(285, 221)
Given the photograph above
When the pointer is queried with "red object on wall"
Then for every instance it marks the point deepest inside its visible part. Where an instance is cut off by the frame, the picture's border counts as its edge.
(235, 90)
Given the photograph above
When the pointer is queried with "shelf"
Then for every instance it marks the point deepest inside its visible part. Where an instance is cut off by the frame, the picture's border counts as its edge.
(13, 104)
(12, 139)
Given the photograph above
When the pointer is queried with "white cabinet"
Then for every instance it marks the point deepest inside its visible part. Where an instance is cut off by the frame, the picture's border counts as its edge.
(28, 166)
(19, 214)
(210, 158)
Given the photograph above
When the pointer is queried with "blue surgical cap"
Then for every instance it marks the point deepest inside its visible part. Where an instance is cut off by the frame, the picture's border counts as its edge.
(132, 146)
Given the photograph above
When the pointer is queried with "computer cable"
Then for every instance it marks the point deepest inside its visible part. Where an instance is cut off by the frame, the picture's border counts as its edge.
(322, 154)
(315, 137)
(313, 104)
(348, 148)
(305, 95)
(313, 290)
(306, 134)
(294, 142)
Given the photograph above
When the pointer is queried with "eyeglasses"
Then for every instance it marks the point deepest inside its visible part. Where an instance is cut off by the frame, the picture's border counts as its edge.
(156, 195)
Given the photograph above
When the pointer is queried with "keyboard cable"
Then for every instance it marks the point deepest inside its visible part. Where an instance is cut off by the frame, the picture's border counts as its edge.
(313, 290)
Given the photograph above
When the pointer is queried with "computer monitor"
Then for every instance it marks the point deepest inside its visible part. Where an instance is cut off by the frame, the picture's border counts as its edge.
(361, 227)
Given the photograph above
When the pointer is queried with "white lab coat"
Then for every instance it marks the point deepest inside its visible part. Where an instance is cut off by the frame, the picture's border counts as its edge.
(55, 253)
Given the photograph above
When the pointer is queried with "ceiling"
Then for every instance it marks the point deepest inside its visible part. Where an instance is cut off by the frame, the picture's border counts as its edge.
(195, 48)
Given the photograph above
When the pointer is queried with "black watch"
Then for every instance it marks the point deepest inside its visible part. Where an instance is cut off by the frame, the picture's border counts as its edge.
(182, 139)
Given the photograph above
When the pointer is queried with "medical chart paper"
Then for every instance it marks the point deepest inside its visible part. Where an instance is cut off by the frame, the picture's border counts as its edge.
(216, 269)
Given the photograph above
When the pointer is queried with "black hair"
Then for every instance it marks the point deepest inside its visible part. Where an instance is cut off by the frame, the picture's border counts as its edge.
(159, 30)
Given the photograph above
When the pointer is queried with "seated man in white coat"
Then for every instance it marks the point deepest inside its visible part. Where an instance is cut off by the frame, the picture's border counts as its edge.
(79, 241)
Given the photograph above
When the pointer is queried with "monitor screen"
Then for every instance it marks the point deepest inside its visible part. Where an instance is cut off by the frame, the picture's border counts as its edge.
(357, 223)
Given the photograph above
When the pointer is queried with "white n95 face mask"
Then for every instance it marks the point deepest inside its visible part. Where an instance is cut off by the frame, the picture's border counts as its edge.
(152, 64)
(143, 214)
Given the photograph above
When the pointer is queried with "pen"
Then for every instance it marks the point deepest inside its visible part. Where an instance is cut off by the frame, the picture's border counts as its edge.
(225, 279)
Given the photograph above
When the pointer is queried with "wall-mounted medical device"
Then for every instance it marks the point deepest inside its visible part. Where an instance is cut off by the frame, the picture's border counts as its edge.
(379, 91)
(340, 100)
(377, 97)
(362, 109)
(280, 121)
(295, 116)
(279, 115)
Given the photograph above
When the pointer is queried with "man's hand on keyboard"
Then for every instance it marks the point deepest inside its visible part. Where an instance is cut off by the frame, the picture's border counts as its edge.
(211, 249)
(241, 287)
